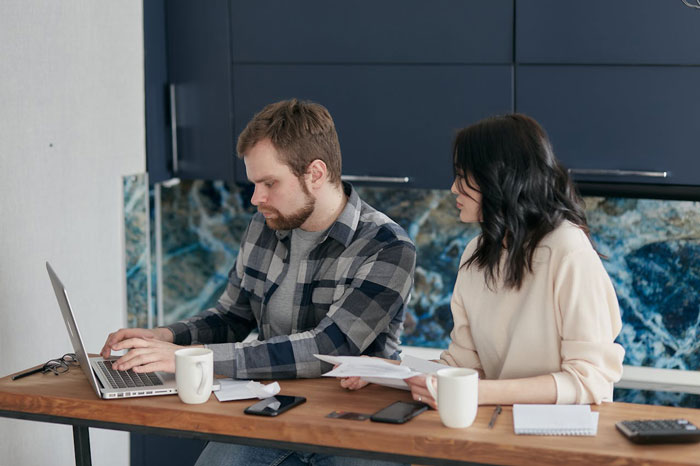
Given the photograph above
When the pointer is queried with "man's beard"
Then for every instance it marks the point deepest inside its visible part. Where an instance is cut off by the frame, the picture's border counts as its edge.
(291, 221)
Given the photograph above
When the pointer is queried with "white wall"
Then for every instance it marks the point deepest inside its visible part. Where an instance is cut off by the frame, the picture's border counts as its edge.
(71, 125)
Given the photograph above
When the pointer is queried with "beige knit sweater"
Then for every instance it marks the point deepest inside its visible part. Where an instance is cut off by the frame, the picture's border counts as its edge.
(562, 321)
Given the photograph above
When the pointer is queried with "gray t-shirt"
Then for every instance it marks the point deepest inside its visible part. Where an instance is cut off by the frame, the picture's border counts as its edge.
(282, 302)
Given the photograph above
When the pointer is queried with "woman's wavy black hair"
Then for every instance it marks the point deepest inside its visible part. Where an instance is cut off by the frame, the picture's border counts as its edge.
(525, 192)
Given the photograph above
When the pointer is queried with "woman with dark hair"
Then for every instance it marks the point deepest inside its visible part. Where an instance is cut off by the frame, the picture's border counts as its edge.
(534, 310)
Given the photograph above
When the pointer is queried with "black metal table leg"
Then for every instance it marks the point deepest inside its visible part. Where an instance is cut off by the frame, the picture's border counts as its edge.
(81, 442)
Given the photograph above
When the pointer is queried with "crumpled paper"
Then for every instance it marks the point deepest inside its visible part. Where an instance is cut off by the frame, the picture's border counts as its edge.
(245, 389)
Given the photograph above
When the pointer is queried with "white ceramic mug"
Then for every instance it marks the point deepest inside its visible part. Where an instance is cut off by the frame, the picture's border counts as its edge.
(194, 374)
(457, 395)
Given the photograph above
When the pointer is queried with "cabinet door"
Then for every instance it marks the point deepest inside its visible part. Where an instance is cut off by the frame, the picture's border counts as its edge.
(155, 86)
(199, 69)
(371, 31)
(618, 118)
(605, 31)
(158, 450)
(391, 120)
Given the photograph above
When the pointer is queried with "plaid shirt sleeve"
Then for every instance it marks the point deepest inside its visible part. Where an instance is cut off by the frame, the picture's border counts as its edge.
(373, 296)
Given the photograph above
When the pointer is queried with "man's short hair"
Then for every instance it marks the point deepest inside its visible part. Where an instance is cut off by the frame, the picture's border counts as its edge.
(301, 132)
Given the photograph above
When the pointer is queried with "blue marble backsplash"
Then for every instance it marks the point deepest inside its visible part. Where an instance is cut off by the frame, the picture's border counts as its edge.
(652, 249)
(137, 250)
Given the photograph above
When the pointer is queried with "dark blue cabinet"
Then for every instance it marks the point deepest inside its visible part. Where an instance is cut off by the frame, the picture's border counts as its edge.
(615, 85)
(199, 71)
(155, 86)
(400, 76)
(631, 32)
(371, 31)
(158, 450)
(392, 120)
(189, 116)
(618, 118)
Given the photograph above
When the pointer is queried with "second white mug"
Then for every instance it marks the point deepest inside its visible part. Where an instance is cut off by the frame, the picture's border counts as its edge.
(457, 395)
(194, 374)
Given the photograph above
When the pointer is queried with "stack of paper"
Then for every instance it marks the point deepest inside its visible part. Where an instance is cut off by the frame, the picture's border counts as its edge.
(378, 371)
(554, 420)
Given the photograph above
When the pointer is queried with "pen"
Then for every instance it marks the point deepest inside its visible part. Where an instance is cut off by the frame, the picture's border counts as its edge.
(29, 372)
(494, 416)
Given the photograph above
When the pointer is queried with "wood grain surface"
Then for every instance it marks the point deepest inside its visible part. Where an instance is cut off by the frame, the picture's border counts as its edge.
(70, 396)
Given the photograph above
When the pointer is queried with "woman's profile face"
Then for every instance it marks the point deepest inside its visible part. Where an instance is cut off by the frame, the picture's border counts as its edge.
(468, 200)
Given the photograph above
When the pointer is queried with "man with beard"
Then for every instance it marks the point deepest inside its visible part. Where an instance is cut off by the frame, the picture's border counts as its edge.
(318, 271)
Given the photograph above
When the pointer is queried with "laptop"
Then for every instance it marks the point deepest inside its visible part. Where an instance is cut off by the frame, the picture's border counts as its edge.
(107, 382)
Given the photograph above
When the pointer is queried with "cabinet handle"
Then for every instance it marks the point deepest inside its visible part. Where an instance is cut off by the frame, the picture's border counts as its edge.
(173, 126)
(378, 179)
(607, 172)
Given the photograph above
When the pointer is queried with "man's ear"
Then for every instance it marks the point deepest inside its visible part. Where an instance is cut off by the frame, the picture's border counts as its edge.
(317, 173)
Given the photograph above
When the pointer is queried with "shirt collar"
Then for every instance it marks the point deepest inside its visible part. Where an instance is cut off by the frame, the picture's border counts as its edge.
(344, 227)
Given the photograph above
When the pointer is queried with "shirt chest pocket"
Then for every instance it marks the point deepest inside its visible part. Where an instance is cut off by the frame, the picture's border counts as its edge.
(323, 296)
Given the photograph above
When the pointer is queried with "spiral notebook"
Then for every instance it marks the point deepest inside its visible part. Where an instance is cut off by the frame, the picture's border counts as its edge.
(554, 420)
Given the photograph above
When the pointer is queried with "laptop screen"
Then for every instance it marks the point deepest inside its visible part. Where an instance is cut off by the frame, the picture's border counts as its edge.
(72, 326)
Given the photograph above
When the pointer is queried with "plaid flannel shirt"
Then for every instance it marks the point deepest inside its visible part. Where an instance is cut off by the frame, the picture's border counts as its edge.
(349, 299)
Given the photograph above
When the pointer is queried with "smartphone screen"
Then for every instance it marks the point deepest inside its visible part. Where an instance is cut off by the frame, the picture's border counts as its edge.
(399, 412)
(274, 405)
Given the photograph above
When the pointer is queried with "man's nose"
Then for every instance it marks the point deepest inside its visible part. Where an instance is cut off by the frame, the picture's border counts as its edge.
(257, 196)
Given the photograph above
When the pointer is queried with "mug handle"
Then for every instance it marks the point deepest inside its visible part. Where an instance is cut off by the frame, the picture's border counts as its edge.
(200, 390)
(429, 385)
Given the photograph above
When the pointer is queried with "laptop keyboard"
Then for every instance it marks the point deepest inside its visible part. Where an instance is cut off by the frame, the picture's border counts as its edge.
(128, 379)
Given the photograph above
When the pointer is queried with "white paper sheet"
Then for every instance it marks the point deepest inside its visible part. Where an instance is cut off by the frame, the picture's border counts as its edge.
(366, 367)
(232, 390)
(378, 371)
(422, 365)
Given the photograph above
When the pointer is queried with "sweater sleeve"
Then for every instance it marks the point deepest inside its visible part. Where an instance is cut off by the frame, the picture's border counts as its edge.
(588, 318)
(461, 352)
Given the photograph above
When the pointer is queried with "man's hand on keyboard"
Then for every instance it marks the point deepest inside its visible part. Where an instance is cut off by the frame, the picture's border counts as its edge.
(162, 334)
(146, 355)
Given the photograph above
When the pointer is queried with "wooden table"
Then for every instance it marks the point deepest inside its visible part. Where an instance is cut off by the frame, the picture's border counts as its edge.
(69, 399)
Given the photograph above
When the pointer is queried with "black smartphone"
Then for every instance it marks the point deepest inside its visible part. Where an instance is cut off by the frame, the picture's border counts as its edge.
(274, 405)
(399, 412)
